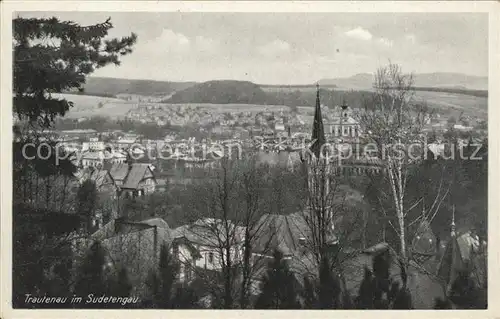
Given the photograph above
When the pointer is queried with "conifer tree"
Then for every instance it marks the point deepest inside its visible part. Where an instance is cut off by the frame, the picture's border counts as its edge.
(279, 286)
(91, 278)
(464, 292)
(379, 291)
(49, 56)
(122, 286)
(54, 56)
(329, 287)
(168, 273)
(161, 282)
(185, 298)
(308, 294)
(87, 203)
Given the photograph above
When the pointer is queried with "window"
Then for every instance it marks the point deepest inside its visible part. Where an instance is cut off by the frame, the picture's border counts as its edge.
(302, 241)
(211, 257)
(175, 250)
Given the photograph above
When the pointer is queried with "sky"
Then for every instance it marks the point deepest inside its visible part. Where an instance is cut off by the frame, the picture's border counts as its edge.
(290, 48)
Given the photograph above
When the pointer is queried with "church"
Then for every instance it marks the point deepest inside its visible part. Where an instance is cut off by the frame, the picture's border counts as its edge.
(343, 126)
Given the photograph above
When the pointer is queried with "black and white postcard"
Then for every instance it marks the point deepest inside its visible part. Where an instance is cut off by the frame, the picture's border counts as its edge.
(248, 156)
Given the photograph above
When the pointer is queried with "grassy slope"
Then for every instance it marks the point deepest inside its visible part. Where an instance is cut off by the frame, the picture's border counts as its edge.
(228, 96)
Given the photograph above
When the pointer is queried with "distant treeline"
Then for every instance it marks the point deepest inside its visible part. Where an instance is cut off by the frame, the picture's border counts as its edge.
(238, 92)
(295, 86)
(241, 92)
(478, 93)
(110, 87)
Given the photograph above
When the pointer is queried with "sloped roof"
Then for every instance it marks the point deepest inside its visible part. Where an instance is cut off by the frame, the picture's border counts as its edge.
(119, 171)
(458, 252)
(280, 232)
(339, 120)
(206, 234)
(159, 222)
(135, 175)
(131, 175)
(109, 230)
(98, 176)
(93, 155)
(423, 286)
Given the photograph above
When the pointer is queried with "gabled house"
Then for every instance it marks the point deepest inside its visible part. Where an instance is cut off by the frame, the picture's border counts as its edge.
(103, 180)
(136, 179)
(422, 284)
(200, 246)
(92, 159)
(133, 245)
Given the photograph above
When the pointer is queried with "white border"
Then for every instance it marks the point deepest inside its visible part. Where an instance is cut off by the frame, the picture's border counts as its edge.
(7, 9)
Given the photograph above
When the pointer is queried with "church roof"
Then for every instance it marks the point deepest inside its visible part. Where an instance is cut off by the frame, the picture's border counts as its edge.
(318, 132)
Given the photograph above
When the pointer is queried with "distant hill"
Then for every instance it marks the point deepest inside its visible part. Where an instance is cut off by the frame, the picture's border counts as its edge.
(112, 86)
(221, 92)
(364, 81)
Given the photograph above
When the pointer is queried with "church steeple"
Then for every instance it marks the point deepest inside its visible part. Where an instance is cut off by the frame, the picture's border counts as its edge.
(318, 132)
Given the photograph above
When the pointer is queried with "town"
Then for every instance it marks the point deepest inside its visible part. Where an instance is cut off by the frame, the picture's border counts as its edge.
(352, 200)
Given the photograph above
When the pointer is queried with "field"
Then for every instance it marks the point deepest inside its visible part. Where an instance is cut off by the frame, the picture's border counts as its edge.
(470, 105)
(88, 106)
(221, 108)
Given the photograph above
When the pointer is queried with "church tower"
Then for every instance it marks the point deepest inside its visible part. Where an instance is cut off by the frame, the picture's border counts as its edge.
(318, 131)
(318, 172)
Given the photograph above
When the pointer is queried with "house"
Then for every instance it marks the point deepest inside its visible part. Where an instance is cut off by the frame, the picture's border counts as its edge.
(133, 245)
(343, 125)
(115, 157)
(102, 178)
(134, 179)
(92, 159)
(93, 145)
(292, 236)
(422, 284)
(198, 246)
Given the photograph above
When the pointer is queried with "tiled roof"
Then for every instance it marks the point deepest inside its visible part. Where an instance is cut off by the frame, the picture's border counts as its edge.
(135, 175)
(206, 235)
(119, 171)
(109, 230)
(280, 232)
(98, 176)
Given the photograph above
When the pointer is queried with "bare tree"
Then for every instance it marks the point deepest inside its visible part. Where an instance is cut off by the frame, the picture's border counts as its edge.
(230, 208)
(217, 198)
(253, 192)
(334, 218)
(394, 122)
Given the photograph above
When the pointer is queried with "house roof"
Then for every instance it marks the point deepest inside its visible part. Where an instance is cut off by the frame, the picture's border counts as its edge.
(460, 252)
(119, 171)
(339, 120)
(135, 175)
(423, 286)
(280, 232)
(207, 234)
(92, 155)
(131, 175)
(98, 176)
(109, 230)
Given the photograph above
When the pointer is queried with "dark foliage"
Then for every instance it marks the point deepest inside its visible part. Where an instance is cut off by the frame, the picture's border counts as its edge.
(42, 68)
(329, 292)
(379, 291)
(87, 203)
(91, 278)
(279, 289)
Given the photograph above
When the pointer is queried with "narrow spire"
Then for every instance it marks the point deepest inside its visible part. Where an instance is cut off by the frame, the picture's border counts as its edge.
(453, 222)
(344, 104)
(318, 133)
